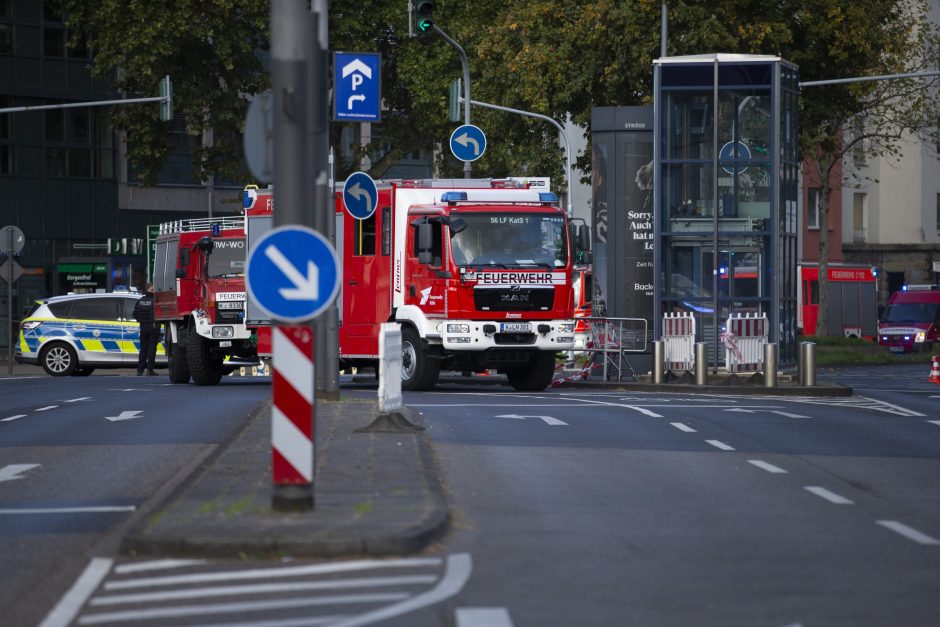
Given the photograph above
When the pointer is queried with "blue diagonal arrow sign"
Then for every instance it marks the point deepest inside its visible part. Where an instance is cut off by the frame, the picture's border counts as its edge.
(293, 273)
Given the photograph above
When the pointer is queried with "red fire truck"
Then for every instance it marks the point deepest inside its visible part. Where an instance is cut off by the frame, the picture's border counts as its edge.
(853, 299)
(478, 273)
(199, 291)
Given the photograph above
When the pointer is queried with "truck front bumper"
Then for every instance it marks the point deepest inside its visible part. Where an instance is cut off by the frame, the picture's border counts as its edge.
(477, 335)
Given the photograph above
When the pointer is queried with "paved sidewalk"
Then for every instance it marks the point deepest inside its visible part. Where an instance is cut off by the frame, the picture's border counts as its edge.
(376, 493)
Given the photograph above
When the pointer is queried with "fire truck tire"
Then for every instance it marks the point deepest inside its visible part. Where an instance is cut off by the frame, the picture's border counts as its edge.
(202, 367)
(178, 364)
(419, 371)
(536, 376)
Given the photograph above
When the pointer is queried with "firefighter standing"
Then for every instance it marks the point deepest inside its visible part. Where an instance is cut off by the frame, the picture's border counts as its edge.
(149, 332)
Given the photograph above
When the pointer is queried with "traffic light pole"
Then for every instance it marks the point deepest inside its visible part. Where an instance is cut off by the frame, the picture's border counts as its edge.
(466, 82)
(561, 130)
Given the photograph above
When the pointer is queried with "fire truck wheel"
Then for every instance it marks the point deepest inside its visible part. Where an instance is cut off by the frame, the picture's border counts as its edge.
(178, 364)
(418, 370)
(536, 376)
(204, 370)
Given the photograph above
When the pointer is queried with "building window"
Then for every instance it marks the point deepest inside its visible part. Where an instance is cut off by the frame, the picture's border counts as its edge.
(53, 41)
(858, 217)
(812, 209)
(858, 149)
(6, 38)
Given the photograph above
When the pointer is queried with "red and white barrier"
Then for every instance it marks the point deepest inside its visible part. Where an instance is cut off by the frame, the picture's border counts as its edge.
(678, 339)
(292, 411)
(744, 340)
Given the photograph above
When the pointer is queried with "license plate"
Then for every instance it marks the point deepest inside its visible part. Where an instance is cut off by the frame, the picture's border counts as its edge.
(896, 349)
(229, 305)
(515, 327)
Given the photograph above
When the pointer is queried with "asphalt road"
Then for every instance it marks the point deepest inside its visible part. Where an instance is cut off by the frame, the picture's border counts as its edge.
(591, 507)
(79, 455)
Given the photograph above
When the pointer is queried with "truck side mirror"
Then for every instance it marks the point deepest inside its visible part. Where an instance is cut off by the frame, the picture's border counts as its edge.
(206, 244)
(425, 242)
(456, 225)
(584, 238)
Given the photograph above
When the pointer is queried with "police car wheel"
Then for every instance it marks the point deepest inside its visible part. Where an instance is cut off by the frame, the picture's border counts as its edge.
(59, 360)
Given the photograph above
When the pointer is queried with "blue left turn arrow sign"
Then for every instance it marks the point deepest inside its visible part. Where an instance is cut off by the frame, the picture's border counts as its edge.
(293, 274)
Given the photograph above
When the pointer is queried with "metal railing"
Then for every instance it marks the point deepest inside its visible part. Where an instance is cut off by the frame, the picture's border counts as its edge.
(202, 224)
(611, 340)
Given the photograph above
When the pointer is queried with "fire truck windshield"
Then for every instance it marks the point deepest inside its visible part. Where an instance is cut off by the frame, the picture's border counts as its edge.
(227, 258)
(511, 240)
(912, 312)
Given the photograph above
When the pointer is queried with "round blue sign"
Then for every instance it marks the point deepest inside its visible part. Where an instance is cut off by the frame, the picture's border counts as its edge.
(293, 273)
(360, 195)
(734, 151)
(468, 142)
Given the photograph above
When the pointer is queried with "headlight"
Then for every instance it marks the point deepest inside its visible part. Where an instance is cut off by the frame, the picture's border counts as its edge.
(223, 331)
(920, 337)
(566, 327)
(458, 328)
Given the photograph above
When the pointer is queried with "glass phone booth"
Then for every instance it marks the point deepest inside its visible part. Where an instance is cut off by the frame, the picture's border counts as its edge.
(726, 167)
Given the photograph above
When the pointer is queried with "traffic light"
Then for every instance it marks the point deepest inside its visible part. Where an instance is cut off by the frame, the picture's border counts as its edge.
(453, 101)
(166, 91)
(423, 19)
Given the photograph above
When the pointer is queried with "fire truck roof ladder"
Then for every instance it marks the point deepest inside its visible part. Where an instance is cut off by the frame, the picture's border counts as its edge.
(202, 224)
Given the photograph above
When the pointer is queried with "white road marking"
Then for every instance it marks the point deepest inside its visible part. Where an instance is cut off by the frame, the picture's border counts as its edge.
(11, 472)
(285, 622)
(46, 408)
(263, 573)
(720, 445)
(547, 419)
(482, 617)
(908, 532)
(765, 466)
(16, 417)
(125, 415)
(832, 497)
(743, 411)
(457, 573)
(69, 605)
(934, 422)
(261, 588)
(71, 510)
(75, 400)
(682, 427)
(235, 608)
(139, 567)
(787, 414)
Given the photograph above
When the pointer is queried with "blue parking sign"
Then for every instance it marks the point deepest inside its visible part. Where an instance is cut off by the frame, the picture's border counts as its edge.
(357, 86)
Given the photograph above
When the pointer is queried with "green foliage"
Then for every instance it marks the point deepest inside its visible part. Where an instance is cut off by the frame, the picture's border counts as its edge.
(212, 50)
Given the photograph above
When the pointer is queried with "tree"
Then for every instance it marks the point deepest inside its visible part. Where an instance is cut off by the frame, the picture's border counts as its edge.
(212, 50)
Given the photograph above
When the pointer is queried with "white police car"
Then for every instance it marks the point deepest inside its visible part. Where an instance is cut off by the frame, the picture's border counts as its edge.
(75, 334)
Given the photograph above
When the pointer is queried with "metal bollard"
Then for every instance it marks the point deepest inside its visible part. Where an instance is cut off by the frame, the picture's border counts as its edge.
(701, 363)
(808, 363)
(770, 365)
(659, 362)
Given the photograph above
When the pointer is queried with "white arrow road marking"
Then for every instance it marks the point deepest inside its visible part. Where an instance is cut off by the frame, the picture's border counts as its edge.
(933, 422)
(75, 400)
(305, 287)
(465, 139)
(126, 415)
(13, 418)
(356, 191)
(11, 472)
(356, 98)
(548, 419)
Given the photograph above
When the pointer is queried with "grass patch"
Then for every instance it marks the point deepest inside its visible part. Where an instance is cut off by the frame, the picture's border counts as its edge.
(364, 508)
(239, 506)
(844, 351)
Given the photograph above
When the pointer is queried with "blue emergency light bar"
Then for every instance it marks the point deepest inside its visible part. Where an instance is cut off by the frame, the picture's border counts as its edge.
(548, 197)
(453, 196)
